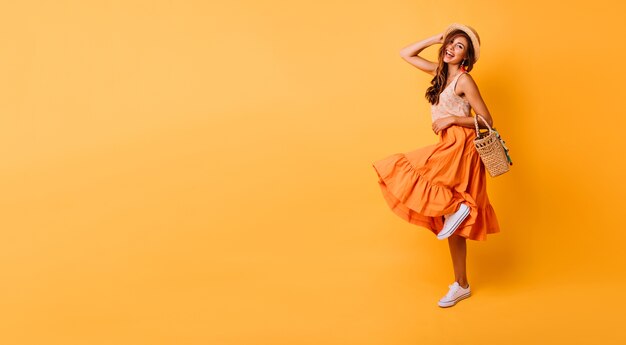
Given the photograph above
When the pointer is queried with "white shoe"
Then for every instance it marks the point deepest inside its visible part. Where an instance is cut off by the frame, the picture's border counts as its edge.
(452, 222)
(455, 294)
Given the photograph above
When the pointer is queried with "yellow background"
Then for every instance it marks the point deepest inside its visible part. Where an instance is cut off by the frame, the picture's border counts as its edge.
(188, 172)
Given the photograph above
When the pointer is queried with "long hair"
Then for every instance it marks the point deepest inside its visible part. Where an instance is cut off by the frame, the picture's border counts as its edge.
(439, 81)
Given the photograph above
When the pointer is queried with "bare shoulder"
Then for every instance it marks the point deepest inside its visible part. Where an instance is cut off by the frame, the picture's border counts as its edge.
(466, 83)
(466, 78)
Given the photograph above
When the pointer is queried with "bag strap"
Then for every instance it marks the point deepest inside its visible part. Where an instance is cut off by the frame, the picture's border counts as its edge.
(485, 122)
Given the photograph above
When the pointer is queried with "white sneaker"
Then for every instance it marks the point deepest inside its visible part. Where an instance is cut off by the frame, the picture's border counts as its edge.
(455, 294)
(452, 221)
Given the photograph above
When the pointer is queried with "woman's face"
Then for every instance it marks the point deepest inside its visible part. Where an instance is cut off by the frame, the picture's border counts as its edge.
(456, 50)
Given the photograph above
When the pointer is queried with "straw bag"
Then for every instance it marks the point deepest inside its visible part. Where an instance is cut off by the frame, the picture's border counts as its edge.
(492, 150)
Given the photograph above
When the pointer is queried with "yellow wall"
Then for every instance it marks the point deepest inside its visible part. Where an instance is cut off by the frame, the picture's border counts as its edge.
(183, 172)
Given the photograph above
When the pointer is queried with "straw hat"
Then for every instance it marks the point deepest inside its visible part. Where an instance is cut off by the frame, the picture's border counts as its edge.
(473, 35)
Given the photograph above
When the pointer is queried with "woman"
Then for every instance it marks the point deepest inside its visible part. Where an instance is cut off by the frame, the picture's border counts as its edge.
(442, 187)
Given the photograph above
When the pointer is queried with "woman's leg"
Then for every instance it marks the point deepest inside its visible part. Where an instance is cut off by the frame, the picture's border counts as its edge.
(458, 250)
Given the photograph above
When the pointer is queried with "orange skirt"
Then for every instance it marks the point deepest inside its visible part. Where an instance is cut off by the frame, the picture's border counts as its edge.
(423, 185)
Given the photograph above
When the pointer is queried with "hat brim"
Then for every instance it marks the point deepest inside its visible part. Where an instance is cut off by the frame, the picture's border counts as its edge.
(470, 32)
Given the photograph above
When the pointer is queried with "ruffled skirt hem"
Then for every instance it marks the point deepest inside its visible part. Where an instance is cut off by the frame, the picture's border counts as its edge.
(413, 196)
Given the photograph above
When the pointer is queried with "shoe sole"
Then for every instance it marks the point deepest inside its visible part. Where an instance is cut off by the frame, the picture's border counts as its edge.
(455, 226)
(454, 301)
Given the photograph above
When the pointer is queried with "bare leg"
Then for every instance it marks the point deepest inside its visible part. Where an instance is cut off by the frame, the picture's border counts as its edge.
(458, 250)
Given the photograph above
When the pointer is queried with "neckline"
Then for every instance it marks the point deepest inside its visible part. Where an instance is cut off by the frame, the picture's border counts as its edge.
(454, 93)
(452, 82)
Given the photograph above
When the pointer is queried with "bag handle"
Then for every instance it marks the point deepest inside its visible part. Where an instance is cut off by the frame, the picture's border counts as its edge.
(485, 122)
(506, 149)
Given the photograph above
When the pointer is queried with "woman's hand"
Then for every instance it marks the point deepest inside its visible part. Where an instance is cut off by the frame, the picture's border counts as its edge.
(443, 123)
(439, 38)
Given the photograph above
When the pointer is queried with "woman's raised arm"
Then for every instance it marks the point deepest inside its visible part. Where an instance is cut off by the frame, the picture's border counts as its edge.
(410, 54)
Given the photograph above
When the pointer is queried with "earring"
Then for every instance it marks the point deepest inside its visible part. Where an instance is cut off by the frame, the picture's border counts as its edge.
(463, 68)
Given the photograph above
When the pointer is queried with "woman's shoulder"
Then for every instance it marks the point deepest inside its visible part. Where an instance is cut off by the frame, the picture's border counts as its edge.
(465, 77)
(465, 84)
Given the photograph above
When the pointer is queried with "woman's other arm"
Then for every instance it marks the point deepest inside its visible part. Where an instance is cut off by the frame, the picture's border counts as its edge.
(472, 94)
(410, 54)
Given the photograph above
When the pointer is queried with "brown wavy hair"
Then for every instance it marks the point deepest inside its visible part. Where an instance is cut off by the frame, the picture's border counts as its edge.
(439, 81)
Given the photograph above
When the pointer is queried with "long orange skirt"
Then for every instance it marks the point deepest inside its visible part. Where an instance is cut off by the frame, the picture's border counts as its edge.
(422, 185)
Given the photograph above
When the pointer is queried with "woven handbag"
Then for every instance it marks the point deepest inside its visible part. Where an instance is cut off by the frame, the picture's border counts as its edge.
(492, 150)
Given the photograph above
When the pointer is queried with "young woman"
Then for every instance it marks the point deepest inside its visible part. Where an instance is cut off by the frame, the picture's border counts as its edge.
(442, 187)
